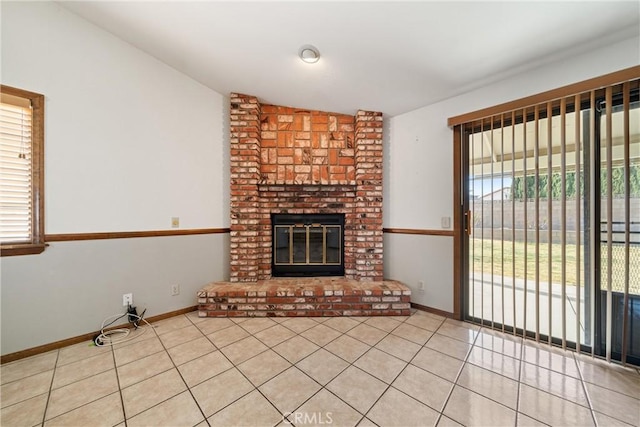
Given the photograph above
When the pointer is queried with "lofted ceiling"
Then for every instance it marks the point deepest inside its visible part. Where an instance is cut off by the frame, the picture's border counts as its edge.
(384, 56)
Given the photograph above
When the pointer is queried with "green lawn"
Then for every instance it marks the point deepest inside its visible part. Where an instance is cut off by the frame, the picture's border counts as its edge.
(490, 256)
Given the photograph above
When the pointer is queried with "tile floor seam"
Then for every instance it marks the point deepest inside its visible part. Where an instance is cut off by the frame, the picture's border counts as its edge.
(317, 350)
(46, 406)
(183, 380)
(362, 416)
(29, 376)
(454, 357)
(135, 360)
(610, 416)
(255, 388)
(338, 356)
(265, 398)
(607, 388)
(253, 333)
(83, 405)
(489, 370)
(586, 391)
(296, 332)
(390, 385)
(263, 395)
(144, 379)
(86, 403)
(464, 362)
(314, 394)
(115, 367)
(520, 383)
(455, 381)
(252, 383)
(207, 379)
(555, 373)
(551, 394)
(185, 342)
(233, 365)
(439, 411)
(83, 378)
(489, 398)
(365, 343)
(153, 406)
(349, 364)
(555, 395)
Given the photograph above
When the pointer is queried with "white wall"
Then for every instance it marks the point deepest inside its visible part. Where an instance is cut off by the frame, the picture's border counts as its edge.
(418, 186)
(129, 143)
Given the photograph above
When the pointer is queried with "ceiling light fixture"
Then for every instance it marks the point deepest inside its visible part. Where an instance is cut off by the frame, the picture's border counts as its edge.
(309, 54)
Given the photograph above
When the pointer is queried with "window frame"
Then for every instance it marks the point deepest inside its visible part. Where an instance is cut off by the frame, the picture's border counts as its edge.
(36, 244)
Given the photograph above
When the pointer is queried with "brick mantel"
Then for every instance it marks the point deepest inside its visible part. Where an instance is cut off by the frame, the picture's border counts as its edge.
(287, 160)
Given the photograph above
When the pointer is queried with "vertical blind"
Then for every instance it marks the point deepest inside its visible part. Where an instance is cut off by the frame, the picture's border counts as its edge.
(554, 220)
(15, 169)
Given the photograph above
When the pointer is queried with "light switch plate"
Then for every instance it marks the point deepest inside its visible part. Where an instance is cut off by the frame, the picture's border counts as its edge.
(445, 222)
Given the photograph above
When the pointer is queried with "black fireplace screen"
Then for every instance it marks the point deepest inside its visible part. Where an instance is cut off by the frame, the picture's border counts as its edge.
(308, 245)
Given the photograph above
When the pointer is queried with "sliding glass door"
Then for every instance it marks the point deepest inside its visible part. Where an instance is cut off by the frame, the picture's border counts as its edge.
(551, 210)
(618, 214)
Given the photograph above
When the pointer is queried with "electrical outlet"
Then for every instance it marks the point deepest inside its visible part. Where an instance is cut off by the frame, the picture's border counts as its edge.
(127, 299)
(421, 285)
(175, 290)
(175, 222)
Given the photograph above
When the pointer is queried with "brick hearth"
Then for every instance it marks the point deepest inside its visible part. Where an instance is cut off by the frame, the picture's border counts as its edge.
(313, 297)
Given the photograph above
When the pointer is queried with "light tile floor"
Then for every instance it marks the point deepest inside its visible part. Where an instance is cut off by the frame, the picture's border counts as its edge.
(388, 371)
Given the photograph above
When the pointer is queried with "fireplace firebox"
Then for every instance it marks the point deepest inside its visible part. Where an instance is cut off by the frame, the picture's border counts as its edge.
(307, 245)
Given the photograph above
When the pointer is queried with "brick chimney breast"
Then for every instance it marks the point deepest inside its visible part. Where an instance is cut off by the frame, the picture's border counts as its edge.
(297, 161)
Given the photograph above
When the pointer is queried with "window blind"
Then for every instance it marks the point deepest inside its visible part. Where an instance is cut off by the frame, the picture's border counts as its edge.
(15, 169)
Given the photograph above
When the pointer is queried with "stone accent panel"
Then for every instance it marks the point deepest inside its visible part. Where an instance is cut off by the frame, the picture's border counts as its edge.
(287, 160)
(314, 297)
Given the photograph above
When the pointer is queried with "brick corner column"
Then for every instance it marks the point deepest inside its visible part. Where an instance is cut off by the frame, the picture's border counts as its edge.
(245, 248)
(368, 207)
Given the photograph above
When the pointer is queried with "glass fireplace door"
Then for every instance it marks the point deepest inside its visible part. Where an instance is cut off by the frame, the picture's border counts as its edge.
(305, 248)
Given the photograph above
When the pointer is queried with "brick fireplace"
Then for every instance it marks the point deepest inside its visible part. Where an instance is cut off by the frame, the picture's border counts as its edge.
(294, 161)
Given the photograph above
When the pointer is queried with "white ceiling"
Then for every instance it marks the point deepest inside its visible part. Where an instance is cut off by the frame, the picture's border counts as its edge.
(384, 56)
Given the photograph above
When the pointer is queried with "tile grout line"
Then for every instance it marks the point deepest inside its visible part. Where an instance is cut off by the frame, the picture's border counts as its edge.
(241, 373)
(293, 365)
(405, 367)
(352, 364)
(164, 348)
(349, 364)
(206, 420)
(53, 376)
(322, 387)
(466, 362)
(390, 385)
(74, 382)
(443, 321)
(586, 392)
(455, 381)
(555, 396)
(115, 368)
(521, 361)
